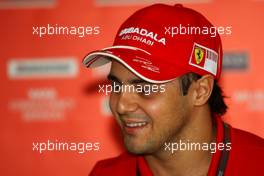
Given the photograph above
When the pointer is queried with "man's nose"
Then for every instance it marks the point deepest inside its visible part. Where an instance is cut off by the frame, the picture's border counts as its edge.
(127, 103)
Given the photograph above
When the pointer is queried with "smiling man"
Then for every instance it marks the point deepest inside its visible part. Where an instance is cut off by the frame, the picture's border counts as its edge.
(168, 102)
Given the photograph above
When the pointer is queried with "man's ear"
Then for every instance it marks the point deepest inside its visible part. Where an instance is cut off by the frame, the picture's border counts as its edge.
(202, 89)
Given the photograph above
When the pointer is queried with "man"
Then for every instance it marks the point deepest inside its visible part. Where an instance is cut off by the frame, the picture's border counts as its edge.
(175, 128)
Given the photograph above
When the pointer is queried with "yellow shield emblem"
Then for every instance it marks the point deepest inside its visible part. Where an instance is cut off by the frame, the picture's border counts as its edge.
(199, 55)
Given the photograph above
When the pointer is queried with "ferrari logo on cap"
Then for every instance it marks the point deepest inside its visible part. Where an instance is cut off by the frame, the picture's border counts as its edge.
(198, 54)
(204, 58)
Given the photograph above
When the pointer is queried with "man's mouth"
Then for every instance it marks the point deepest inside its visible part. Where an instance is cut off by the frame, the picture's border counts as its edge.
(134, 126)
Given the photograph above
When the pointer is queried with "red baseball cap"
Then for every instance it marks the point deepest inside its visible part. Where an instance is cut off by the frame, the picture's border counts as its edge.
(161, 42)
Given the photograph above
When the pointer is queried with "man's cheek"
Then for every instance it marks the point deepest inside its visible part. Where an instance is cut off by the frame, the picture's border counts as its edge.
(112, 104)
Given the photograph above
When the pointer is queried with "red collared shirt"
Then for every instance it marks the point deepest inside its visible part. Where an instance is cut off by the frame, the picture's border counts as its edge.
(245, 158)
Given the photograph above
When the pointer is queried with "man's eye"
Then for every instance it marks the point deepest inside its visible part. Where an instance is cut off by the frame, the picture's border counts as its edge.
(115, 83)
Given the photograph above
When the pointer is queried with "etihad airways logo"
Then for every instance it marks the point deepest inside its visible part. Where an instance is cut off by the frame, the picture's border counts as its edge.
(143, 32)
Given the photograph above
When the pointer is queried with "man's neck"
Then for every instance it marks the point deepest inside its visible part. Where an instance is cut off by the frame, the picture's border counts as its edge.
(200, 130)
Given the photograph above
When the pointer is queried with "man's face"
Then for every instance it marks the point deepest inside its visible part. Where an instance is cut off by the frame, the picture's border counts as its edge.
(147, 121)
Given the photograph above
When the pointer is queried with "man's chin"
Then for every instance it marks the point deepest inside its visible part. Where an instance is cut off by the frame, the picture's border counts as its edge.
(134, 147)
(135, 150)
(138, 148)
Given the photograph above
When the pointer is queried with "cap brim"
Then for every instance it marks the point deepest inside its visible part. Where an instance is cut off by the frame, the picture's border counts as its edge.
(138, 61)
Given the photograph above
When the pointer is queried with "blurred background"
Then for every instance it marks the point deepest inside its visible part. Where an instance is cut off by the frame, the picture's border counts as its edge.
(46, 93)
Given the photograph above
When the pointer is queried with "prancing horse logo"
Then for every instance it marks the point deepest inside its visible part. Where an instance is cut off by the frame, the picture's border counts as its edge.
(199, 55)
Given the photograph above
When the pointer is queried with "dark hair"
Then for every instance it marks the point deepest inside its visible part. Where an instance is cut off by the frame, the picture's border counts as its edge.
(216, 101)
